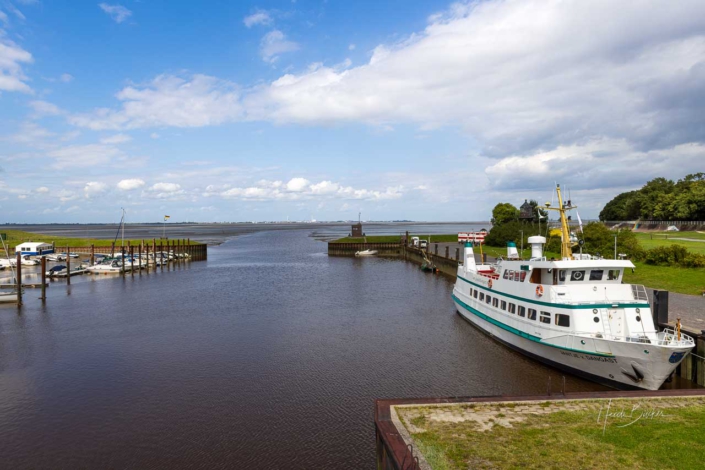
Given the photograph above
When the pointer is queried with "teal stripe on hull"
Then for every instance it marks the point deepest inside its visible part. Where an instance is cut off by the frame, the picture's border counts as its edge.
(518, 332)
(550, 304)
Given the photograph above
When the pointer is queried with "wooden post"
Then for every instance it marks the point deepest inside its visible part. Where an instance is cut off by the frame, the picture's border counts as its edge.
(154, 252)
(92, 254)
(44, 279)
(68, 267)
(146, 255)
(447, 251)
(188, 248)
(161, 253)
(457, 254)
(132, 259)
(112, 249)
(18, 281)
(122, 249)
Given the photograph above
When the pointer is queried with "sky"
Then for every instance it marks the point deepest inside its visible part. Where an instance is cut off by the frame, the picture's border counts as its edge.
(219, 111)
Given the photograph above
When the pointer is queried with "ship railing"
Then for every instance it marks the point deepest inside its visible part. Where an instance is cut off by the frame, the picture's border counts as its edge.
(668, 337)
(639, 292)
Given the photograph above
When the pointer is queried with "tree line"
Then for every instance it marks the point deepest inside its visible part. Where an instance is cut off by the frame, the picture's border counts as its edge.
(660, 199)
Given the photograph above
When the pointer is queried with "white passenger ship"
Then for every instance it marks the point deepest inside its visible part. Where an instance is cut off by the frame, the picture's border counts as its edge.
(574, 314)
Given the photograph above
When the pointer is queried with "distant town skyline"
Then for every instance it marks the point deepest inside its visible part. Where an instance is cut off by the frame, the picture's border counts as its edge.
(414, 110)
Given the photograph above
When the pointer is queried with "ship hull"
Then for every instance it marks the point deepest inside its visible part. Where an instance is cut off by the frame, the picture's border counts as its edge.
(616, 370)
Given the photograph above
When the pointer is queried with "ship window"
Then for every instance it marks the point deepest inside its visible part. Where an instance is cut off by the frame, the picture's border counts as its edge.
(510, 276)
(488, 299)
(532, 314)
(504, 305)
(506, 274)
(523, 276)
(522, 311)
(545, 317)
(596, 274)
(613, 274)
(577, 275)
(495, 302)
(561, 275)
(512, 308)
(562, 320)
(482, 296)
(474, 294)
(517, 276)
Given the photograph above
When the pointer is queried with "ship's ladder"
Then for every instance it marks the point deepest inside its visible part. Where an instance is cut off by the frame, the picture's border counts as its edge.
(604, 313)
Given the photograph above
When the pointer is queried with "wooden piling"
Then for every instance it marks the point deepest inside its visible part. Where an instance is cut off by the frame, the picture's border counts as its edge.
(18, 281)
(161, 253)
(154, 252)
(68, 267)
(92, 254)
(112, 249)
(447, 251)
(132, 260)
(457, 254)
(122, 249)
(43, 298)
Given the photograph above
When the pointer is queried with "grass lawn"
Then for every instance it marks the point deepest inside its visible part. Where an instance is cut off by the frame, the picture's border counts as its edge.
(570, 435)
(670, 278)
(652, 240)
(15, 237)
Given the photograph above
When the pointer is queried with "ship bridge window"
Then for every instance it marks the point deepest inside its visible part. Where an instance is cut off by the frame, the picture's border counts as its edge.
(561, 275)
(532, 314)
(506, 274)
(523, 276)
(577, 275)
(511, 275)
(545, 317)
(613, 274)
(562, 320)
(596, 274)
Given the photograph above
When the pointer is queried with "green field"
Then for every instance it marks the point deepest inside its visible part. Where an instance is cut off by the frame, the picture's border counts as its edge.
(652, 240)
(666, 434)
(15, 237)
(682, 280)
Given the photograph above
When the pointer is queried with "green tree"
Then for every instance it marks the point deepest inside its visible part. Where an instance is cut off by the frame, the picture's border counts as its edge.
(504, 212)
(536, 210)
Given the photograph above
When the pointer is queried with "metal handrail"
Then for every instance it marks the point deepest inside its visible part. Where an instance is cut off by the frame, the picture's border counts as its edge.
(668, 337)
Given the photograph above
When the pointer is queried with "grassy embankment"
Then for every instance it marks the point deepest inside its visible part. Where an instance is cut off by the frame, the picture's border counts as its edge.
(665, 437)
(397, 238)
(15, 237)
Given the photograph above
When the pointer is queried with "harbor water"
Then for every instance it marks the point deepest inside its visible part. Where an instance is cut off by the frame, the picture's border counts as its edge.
(270, 354)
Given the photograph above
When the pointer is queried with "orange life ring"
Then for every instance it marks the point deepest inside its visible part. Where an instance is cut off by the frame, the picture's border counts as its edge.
(489, 284)
(539, 290)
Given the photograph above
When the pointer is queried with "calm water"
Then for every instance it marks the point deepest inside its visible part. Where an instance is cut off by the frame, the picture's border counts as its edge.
(268, 355)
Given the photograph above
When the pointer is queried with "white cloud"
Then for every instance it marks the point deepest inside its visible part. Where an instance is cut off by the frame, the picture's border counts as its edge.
(297, 184)
(44, 108)
(130, 184)
(301, 189)
(3, 17)
(94, 188)
(12, 57)
(273, 44)
(116, 139)
(258, 18)
(66, 195)
(168, 101)
(78, 156)
(352, 47)
(66, 78)
(117, 12)
(166, 187)
(42, 190)
(32, 134)
(154, 135)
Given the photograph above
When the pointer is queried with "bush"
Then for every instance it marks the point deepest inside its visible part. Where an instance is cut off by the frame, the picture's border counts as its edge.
(673, 255)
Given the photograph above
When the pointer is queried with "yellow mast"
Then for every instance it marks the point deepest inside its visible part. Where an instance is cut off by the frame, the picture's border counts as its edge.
(566, 251)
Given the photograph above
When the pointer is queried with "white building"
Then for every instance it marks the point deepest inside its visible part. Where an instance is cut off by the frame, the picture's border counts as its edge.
(34, 248)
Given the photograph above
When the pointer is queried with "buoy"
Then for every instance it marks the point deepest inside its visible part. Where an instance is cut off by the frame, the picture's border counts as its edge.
(539, 290)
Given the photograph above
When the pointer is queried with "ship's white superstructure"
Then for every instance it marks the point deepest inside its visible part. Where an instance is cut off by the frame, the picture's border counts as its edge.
(574, 314)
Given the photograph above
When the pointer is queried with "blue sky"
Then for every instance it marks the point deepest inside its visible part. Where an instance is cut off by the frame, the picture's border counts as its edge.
(239, 111)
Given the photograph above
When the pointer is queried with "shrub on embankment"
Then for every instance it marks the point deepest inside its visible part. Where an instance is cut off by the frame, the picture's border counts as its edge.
(673, 255)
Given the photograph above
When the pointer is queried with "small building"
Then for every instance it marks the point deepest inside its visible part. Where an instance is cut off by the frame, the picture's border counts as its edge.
(357, 230)
(34, 248)
(526, 212)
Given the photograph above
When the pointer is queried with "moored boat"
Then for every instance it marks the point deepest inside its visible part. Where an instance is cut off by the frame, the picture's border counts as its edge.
(574, 313)
(366, 253)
